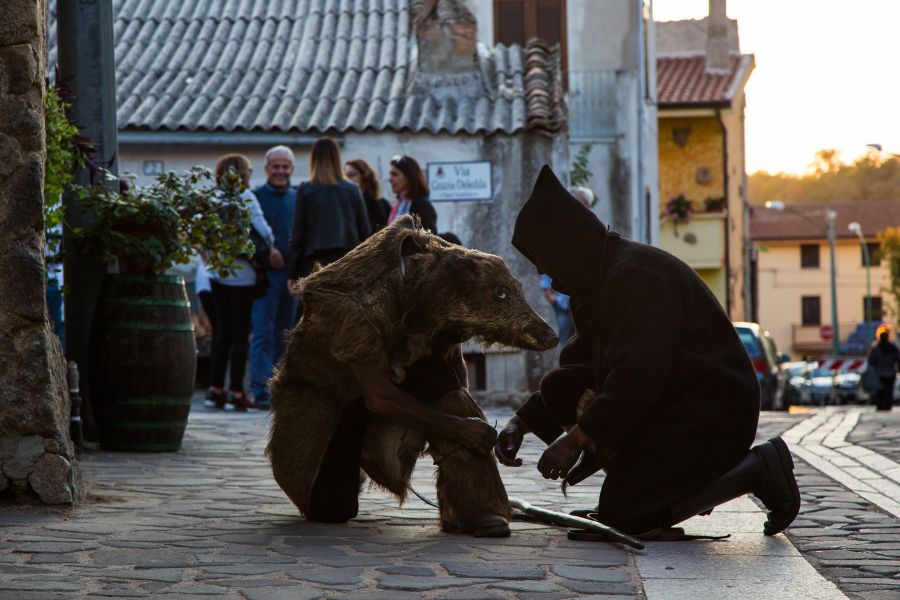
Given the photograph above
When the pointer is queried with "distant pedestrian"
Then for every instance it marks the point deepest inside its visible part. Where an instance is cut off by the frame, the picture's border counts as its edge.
(885, 359)
(411, 190)
(233, 296)
(562, 314)
(364, 176)
(273, 314)
(560, 304)
(330, 216)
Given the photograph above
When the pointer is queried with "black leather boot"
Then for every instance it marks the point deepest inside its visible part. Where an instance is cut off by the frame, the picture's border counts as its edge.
(767, 471)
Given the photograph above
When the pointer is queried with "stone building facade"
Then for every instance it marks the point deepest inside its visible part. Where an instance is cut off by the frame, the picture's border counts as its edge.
(37, 457)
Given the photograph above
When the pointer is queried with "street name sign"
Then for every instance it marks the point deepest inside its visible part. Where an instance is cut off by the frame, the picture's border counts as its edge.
(452, 181)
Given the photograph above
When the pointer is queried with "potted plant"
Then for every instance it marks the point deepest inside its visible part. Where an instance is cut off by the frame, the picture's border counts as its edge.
(143, 351)
(679, 209)
(714, 204)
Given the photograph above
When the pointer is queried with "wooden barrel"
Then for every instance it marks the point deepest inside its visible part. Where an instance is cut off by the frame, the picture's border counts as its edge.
(144, 360)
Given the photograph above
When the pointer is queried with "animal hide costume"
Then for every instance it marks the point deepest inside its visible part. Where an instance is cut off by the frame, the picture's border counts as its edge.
(414, 297)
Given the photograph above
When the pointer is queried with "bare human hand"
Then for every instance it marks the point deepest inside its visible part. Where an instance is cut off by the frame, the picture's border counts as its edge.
(508, 443)
(476, 435)
(560, 456)
(276, 260)
(292, 288)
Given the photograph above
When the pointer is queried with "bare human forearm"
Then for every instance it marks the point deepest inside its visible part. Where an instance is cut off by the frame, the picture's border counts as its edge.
(386, 399)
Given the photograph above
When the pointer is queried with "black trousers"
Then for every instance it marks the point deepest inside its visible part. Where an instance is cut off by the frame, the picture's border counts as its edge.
(672, 455)
(335, 493)
(231, 334)
(884, 398)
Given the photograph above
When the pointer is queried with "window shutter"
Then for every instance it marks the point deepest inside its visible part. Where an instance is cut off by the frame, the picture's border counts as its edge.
(549, 20)
(511, 22)
(811, 307)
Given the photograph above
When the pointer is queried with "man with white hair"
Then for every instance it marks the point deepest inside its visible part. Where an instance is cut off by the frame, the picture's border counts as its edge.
(273, 314)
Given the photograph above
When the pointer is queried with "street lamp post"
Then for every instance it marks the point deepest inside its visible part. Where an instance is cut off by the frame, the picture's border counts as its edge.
(867, 261)
(828, 230)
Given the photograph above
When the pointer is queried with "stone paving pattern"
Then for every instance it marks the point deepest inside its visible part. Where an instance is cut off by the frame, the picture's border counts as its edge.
(209, 521)
(848, 539)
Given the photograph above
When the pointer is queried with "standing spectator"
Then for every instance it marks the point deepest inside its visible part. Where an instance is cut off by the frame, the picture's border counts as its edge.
(233, 296)
(363, 175)
(560, 304)
(330, 217)
(565, 328)
(411, 189)
(885, 358)
(273, 313)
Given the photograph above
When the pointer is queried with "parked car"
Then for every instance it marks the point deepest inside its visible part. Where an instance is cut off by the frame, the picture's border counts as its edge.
(765, 358)
(848, 387)
(821, 386)
(796, 389)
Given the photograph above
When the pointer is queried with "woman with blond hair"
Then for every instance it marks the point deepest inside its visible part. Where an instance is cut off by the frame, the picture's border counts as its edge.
(360, 172)
(330, 216)
(233, 295)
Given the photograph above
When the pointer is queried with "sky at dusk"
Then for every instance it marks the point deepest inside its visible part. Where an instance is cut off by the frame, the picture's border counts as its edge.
(826, 75)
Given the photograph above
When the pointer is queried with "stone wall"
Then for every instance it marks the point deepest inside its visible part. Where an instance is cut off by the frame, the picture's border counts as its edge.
(37, 459)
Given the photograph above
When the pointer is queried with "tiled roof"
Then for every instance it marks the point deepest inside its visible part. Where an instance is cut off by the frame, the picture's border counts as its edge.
(684, 80)
(309, 66)
(767, 224)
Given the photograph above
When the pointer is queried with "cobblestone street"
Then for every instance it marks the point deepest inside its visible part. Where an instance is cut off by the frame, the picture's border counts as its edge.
(209, 521)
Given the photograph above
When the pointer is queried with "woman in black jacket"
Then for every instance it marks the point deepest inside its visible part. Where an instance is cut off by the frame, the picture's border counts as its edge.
(330, 216)
(411, 188)
(360, 172)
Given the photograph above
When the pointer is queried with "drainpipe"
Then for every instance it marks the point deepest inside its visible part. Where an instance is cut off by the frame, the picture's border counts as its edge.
(727, 213)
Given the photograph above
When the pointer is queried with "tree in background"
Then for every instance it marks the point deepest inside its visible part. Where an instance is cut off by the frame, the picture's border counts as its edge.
(871, 177)
(580, 173)
(890, 252)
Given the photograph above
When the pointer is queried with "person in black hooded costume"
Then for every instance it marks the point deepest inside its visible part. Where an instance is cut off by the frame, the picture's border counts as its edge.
(672, 403)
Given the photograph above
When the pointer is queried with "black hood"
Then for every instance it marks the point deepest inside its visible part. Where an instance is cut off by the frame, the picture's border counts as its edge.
(561, 237)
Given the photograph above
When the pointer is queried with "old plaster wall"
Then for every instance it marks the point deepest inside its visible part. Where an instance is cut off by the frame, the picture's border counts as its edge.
(37, 459)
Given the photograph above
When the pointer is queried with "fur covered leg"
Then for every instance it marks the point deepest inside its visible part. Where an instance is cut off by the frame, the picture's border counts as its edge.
(389, 454)
(470, 491)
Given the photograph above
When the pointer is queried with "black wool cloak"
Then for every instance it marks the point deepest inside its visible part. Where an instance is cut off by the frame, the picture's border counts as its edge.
(678, 399)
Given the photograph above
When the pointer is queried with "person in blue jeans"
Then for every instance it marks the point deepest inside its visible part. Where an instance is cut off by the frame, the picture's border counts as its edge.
(560, 304)
(273, 314)
(559, 301)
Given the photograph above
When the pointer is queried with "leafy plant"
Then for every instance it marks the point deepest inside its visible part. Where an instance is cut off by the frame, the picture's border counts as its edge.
(890, 251)
(149, 228)
(63, 158)
(580, 173)
(714, 204)
(679, 209)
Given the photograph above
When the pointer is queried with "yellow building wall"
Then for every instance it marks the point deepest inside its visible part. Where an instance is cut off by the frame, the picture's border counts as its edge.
(678, 164)
(781, 284)
(716, 280)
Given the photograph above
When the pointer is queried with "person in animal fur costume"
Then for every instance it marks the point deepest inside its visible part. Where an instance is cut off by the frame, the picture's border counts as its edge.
(373, 372)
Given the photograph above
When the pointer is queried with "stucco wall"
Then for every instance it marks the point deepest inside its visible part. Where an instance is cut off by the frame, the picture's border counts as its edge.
(678, 164)
(782, 283)
(600, 31)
